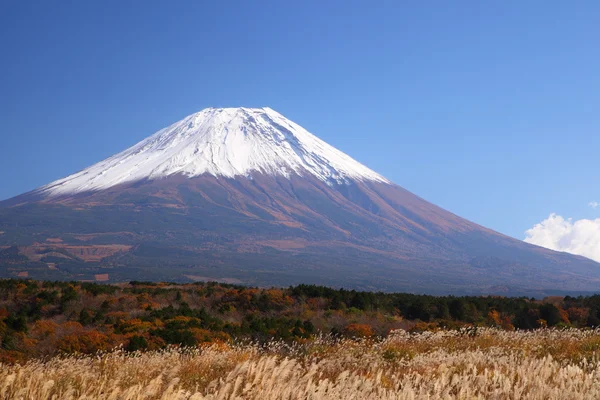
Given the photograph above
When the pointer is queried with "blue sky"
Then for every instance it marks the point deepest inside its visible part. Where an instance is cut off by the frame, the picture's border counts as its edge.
(488, 109)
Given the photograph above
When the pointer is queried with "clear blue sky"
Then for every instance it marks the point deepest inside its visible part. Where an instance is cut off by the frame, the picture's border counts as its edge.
(489, 109)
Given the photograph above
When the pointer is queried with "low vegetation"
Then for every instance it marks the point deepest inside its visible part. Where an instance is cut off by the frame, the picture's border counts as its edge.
(482, 363)
(143, 340)
(46, 319)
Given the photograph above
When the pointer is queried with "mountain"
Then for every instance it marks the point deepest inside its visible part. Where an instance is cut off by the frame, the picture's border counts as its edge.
(220, 142)
(245, 195)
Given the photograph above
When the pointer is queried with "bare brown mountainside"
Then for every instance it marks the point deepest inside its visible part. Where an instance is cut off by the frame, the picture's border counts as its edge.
(264, 228)
(278, 231)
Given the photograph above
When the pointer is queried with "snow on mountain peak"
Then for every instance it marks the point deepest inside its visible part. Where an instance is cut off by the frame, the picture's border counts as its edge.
(225, 142)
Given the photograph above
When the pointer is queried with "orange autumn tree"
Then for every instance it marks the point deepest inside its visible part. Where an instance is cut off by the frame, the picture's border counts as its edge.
(358, 330)
(493, 318)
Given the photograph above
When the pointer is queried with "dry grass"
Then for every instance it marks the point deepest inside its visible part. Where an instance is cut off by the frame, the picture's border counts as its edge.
(486, 364)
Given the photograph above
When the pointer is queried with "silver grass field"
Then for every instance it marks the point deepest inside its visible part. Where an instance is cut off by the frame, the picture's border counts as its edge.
(467, 364)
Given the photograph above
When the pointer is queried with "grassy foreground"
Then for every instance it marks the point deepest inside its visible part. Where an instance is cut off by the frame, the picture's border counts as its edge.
(468, 364)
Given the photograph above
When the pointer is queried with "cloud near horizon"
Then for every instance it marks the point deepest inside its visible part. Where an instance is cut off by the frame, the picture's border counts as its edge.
(580, 237)
(593, 204)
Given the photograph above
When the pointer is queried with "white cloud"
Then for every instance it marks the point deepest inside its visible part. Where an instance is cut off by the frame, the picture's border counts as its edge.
(577, 237)
(593, 204)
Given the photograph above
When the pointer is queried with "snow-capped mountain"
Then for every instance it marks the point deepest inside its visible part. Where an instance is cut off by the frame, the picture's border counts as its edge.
(247, 196)
(225, 142)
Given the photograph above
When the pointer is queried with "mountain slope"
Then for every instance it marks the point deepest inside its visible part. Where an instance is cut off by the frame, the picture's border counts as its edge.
(245, 195)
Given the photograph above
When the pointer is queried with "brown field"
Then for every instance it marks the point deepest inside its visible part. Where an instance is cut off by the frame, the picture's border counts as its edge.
(86, 253)
(101, 277)
(468, 364)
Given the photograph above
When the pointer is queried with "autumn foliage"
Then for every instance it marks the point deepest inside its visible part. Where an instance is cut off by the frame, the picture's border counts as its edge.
(50, 318)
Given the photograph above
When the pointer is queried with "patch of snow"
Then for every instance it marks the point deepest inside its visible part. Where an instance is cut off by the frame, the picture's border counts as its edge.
(225, 142)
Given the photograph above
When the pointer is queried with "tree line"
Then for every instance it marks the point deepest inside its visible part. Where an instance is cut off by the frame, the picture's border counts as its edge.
(46, 318)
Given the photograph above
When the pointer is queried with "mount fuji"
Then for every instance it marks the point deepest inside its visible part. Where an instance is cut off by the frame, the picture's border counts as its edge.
(229, 142)
(244, 195)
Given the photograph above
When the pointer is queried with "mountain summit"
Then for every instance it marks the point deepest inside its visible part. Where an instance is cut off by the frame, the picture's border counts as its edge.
(244, 195)
(226, 142)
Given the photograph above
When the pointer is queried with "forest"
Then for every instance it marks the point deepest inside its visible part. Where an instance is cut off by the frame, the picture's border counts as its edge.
(43, 319)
